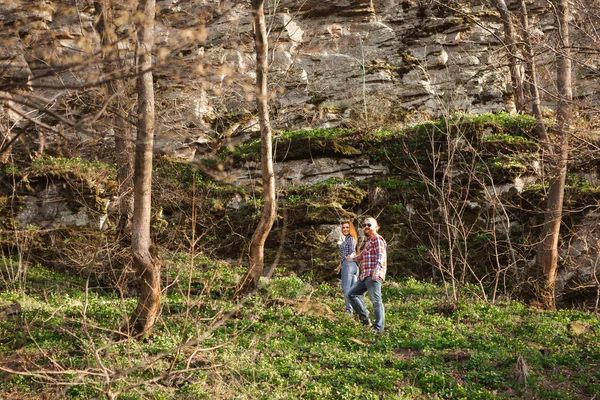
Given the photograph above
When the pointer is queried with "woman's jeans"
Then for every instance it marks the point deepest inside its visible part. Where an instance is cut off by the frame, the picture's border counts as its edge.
(355, 297)
(349, 277)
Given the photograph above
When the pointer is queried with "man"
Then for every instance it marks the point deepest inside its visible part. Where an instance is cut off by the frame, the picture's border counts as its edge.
(373, 266)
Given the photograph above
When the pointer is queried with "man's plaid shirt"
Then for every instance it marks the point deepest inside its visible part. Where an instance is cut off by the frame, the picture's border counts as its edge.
(347, 247)
(373, 258)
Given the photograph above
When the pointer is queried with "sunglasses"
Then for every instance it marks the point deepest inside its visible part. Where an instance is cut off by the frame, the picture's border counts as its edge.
(366, 225)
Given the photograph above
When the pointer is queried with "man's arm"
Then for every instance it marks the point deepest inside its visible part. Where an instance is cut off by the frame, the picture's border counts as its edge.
(376, 243)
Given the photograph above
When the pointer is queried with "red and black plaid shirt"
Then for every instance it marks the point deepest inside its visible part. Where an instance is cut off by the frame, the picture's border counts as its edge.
(373, 258)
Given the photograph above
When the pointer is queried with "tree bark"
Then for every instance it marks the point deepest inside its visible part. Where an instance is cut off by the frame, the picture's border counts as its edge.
(116, 89)
(511, 47)
(531, 76)
(146, 264)
(257, 243)
(548, 248)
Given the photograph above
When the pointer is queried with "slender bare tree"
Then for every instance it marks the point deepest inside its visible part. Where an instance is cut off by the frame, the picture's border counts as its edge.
(146, 263)
(513, 54)
(257, 243)
(547, 256)
(114, 67)
(531, 75)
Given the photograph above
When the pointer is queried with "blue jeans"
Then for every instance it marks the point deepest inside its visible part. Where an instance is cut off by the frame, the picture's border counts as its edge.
(349, 277)
(374, 290)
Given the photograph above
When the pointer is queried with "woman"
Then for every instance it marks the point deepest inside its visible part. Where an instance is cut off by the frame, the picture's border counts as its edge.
(349, 269)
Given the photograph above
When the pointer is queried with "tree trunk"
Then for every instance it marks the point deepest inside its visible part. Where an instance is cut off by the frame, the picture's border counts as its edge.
(146, 264)
(511, 47)
(531, 76)
(257, 243)
(548, 248)
(116, 91)
(124, 160)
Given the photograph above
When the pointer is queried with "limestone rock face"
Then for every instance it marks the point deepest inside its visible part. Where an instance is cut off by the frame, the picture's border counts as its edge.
(333, 62)
(306, 172)
(580, 259)
(49, 209)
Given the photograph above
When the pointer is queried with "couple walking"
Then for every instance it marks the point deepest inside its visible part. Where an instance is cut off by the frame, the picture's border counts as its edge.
(373, 266)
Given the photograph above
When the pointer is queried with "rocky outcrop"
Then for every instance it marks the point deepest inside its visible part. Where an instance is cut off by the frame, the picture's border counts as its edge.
(484, 207)
(360, 63)
(333, 62)
(580, 272)
(305, 172)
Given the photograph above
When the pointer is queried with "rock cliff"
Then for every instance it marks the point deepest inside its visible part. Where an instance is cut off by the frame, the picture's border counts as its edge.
(333, 62)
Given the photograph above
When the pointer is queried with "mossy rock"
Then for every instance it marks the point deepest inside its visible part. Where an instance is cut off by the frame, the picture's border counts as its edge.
(9, 207)
(508, 144)
(318, 213)
(474, 126)
(93, 176)
(178, 186)
(79, 182)
(404, 258)
(299, 145)
(310, 250)
(307, 148)
(577, 197)
(503, 169)
(330, 192)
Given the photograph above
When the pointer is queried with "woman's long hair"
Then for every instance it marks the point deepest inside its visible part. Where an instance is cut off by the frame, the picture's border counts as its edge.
(352, 233)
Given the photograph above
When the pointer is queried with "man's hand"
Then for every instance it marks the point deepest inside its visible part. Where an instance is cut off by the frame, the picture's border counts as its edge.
(338, 269)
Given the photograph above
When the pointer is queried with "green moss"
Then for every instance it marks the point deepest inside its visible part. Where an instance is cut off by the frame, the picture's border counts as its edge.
(509, 144)
(244, 152)
(305, 144)
(494, 133)
(409, 59)
(485, 14)
(577, 181)
(473, 126)
(503, 169)
(378, 66)
(81, 182)
(333, 194)
(177, 172)
(316, 98)
(96, 175)
(294, 145)
(395, 184)
(10, 170)
(579, 192)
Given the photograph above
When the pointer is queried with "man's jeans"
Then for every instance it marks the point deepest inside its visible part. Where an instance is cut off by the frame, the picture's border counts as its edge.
(374, 290)
(349, 277)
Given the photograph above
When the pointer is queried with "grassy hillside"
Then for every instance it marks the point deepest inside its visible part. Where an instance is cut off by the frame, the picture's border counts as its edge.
(290, 340)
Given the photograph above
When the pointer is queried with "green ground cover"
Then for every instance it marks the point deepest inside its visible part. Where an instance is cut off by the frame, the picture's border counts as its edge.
(290, 340)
